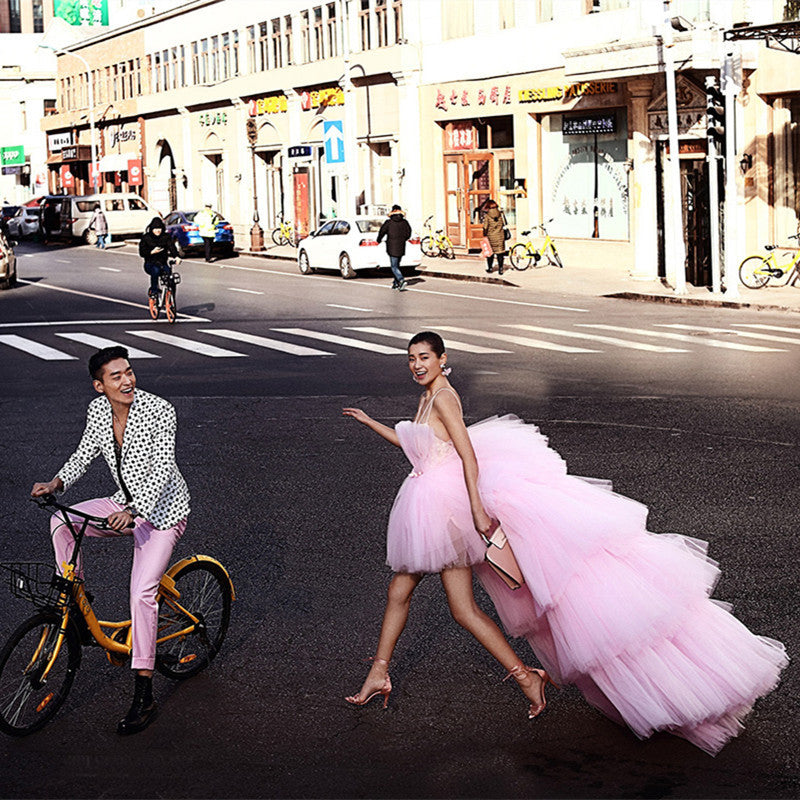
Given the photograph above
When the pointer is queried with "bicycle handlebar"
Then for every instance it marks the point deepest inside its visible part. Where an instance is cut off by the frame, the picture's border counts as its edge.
(49, 501)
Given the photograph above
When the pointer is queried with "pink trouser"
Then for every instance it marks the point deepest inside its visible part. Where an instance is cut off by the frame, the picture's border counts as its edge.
(152, 549)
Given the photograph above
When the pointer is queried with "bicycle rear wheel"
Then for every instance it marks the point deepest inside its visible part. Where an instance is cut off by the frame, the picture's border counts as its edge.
(170, 304)
(152, 303)
(428, 246)
(27, 700)
(520, 257)
(205, 591)
(447, 251)
(752, 272)
(278, 237)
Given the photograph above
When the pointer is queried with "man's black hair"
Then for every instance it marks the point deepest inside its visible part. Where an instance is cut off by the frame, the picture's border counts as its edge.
(396, 207)
(99, 359)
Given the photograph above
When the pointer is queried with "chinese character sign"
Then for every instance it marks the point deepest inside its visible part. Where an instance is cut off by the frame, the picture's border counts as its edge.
(460, 136)
(90, 13)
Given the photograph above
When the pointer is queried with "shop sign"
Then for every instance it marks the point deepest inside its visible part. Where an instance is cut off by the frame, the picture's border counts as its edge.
(55, 141)
(135, 172)
(691, 147)
(67, 178)
(333, 96)
(300, 151)
(301, 202)
(95, 176)
(75, 153)
(596, 123)
(274, 104)
(491, 95)
(91, 13)
(12, 170)
(460, 136)
(123, 138)
(12, 156)
(211, 119)
(570, 91)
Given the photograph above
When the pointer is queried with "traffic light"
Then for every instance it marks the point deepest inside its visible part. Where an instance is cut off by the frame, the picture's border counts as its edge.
(715, 111)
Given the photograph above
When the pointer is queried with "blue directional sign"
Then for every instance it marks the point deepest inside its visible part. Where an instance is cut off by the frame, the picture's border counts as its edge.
(333, 134)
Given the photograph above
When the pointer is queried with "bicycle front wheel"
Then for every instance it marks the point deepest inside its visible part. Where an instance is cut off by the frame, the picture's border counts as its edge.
(278, 237)
(205, 591)
(752, 272)
(28, 699)
(555, 259)
(447, 250)
(152, 304)
(428, 246)
(170, 305)
(520, 257)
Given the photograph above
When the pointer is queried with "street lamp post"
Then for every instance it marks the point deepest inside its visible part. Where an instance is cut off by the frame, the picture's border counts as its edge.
(256, 232)
(59, 51)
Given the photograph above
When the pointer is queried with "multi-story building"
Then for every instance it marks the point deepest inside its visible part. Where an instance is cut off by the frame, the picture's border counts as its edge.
(556, 108)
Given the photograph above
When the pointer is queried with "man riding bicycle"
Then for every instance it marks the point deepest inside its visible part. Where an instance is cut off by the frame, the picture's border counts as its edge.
(135, 432)
(157, 247)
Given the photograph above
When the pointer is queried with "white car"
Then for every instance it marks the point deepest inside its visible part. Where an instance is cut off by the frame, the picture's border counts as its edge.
(25, 222)
(350, 245)
(8, 263)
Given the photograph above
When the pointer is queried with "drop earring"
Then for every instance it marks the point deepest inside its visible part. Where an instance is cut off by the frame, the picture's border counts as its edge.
(446, 370)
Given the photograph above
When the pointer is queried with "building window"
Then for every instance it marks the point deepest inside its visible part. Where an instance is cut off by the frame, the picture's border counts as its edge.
(397, 10)
(791, 10)
(596, 6)
(277, 55)
(235, 52)
(319, 44)
(544, 11)
(287, 35)
(251, 48)
(204, 61)
(330, 22)
(14, 17)
(156, 74)
(50, 107)
(215, 58)
(363, 23)
(506, 14)
(382, 22)
(226, 56)
(38, 16)
(263, 46)
(165, 67)
(305, 43)
(182, 69)
(458, 19)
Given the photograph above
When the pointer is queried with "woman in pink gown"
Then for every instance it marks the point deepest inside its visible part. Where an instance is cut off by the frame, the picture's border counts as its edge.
(622, 613)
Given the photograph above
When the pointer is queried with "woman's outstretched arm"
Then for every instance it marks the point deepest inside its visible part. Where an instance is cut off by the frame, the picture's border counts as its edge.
(379, 428)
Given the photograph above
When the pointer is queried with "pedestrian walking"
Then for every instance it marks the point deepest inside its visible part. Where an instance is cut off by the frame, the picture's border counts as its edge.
(622, 613)
(157, 247)
(135, 432)
(397, 232)
(494, 229)
(99, 224)
(206, 220)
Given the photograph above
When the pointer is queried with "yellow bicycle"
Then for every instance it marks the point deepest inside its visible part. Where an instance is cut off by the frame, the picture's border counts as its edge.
(526, 254)
(284, 233)
(436, 243)
(756, 272)
(39, 661)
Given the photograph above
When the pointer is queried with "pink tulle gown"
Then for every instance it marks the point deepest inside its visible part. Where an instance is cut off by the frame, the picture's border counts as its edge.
(622, 613)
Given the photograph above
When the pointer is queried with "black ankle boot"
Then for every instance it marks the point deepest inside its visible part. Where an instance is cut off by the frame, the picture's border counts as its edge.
(143, 709)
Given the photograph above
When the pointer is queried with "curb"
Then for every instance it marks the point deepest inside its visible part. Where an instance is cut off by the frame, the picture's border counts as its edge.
(455, 276)
(696, 301)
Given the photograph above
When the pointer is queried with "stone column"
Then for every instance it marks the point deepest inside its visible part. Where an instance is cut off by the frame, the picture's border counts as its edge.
(409, 144)
(642, 183)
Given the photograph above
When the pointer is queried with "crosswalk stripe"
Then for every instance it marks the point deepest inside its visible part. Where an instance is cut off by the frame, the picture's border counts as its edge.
(596, 337)
(34, 348)
(523, 341)
(344, 340)
(100, 342)
(682, 337)
(452, 344)
(263, 341)
(763, 327)
(763, 337)
(187, 344)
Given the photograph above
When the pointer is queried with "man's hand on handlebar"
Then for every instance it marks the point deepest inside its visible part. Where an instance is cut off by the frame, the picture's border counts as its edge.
(53, 486)
(120, 520)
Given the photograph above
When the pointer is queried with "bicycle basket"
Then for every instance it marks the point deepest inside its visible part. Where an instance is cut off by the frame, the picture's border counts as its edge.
(34, 581)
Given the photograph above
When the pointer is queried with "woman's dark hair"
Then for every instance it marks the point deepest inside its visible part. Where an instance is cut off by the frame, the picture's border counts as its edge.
(99, 359)
(431, 338)
(491, 203)
(97, 206)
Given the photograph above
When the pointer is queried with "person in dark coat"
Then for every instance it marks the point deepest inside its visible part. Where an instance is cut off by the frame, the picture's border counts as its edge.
(156, 247)
(494, 223)
(397, 232)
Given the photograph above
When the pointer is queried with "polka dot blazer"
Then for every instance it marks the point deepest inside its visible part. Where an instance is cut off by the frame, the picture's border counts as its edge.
(158, 490)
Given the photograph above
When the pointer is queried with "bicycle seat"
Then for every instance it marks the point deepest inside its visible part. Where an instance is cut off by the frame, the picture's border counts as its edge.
(440, 230)
(770, 247)
(525, 233)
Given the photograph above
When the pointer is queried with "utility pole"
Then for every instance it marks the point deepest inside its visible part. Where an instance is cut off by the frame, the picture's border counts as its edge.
(730, 87)
(715, 131)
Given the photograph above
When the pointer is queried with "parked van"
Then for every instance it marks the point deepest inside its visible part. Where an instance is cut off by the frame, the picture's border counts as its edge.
(68, 216)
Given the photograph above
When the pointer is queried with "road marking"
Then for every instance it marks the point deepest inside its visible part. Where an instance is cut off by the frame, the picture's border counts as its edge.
(110, 269)
(41, 285)
(763, 337)
(100, 342)
(349, 308)
(681, 337)
(34, 348)
(452, 344)
(29, 255)
(596, 337)
(523, 341)
(142, 321)
(63, 260)
(387, 288)
(762, 327)
(344, 340)
(263, 341)
(187, 344)
(244, 291)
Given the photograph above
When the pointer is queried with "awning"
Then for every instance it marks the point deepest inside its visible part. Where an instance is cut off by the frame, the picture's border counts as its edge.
(115, 162)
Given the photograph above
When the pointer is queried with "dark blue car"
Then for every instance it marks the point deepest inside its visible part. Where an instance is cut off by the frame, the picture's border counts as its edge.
(181, 227)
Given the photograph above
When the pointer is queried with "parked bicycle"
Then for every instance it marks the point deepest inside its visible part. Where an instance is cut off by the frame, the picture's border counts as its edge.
(436, 243)
(284, 233)
(166, 299)
(757, 271)
(526, 254)
(39, 662)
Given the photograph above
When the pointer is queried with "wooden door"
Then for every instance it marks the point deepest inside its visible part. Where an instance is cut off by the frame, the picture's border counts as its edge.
(480, 188)
(454, 199)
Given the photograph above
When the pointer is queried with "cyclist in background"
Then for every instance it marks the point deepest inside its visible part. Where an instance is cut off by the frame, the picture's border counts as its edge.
(156, 247)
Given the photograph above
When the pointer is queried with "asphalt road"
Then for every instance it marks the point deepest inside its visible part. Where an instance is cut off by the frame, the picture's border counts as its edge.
(294, 499)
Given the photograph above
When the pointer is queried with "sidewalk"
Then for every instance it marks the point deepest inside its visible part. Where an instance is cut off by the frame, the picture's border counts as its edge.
(583, 280)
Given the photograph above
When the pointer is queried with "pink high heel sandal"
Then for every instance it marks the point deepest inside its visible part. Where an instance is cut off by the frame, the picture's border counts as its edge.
(520, 673)
(385, 690)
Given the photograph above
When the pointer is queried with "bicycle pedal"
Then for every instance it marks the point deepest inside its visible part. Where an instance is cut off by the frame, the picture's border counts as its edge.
(176, 278)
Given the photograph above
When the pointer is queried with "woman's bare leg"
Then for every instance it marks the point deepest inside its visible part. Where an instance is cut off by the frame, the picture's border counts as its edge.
(398, 601)
(457, 582)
